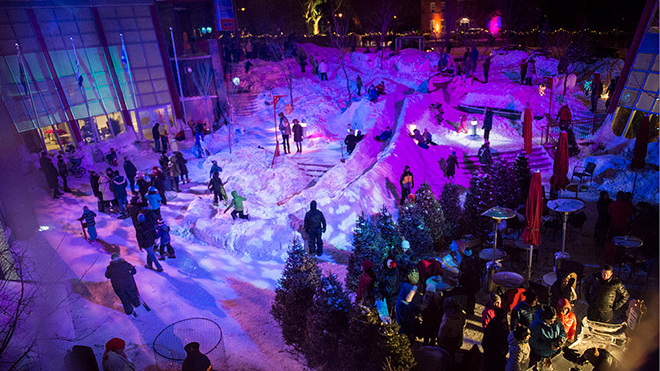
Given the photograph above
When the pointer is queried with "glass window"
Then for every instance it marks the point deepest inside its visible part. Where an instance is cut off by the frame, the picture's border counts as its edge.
(643, 61)
(636, 79)
(646, 100)
(621, 116)
(636, 119)
(628, 97)
(86, 131)
(145, 122)
(653, 128)
(655, 64)
(652, 82)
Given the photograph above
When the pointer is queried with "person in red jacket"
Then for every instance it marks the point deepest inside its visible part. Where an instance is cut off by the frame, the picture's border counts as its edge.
(567, 318)
(620, 211)
(365, 288)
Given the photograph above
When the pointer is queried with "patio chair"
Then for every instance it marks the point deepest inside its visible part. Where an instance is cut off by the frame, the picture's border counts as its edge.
(582, 172)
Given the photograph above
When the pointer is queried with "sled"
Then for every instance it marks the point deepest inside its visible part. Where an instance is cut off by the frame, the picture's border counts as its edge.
(84, 226)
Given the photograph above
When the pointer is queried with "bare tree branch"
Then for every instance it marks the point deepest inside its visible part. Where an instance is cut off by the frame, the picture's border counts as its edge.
(340, 40)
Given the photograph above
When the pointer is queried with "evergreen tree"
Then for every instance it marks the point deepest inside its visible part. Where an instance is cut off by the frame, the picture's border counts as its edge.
(367, 245)
(507, 189)
(432, 212)
(523, 176)
(294, 294)
(327, 321)
(387, 227)
(414, 229)
(451, 206)
(479, 198)
(398, 355)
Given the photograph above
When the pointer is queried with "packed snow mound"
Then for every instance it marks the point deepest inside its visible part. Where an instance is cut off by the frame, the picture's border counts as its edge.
(504, 101)
(364, 61)
(411, 61)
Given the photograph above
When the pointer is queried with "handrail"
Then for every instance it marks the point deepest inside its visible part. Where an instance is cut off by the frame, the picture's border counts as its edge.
(581, 128)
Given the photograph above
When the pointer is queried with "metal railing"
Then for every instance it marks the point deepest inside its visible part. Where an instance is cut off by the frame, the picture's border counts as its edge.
(581, 128)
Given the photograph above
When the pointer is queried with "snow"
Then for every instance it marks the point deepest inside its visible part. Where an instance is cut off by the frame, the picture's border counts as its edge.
(227, 270)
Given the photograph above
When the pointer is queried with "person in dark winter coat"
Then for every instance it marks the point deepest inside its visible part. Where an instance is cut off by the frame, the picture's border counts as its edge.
(63, 171)
(119, 185)
(563, 288)
(120, 272)
(523, 313)
(49, 170)
(495, 342)
(452, 164)
(519, 349)
(133, 210)
(407, 183)
(315, 226)
(297, 135)
(485, 157)
(142, 183)
(237, 204)
(406, 308)
(182, 166)
(450, 335)
(164, 161)
(156, 134)
(547, 335)
(487, 68)
(431, 310)
(610, 90)
(285, 129)
(94, 183)
(523, 71)
(195, 360)
(165, 240)
(366, 284)
(147, 241)
(469, 280)
(131, 171)
(88, 217)
(358, 82)
(596, 91)
(158, 181)
(605, 294)
(390, 285)
(351, 141)
(603, 222)
(488, 123)
(215, 168)
(218, 189)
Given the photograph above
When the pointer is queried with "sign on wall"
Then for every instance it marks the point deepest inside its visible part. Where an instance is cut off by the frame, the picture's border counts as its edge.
(224, 12)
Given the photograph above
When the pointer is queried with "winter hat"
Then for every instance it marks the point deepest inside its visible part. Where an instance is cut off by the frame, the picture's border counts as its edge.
(453, 153)
(214, 162)
(487, 143)
(468, 251)
(521, 332)
(160, 221)
(391, 264)
(141, 218)
(405, 245)
(367, 264)
(152, 189)
(114, 256)
(115, 345)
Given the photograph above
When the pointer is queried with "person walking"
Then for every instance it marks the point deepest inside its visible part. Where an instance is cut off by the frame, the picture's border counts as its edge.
(285, 129)
(519, 349)
(182, 166)
(389, 285)
(605, 294)
(452, 164)
(488, 123)
(131, 171)
(407, 183)
(485, 157)
(114, 358)
(120, 272)
(531, 71)
(195, 360)
(315, 226)
(297, 135)
(63, 171)
(487, 68)
(358, 82)
(147, 241)
(165, 241)
(323, 70)
(175, 172)
(49, 170)
(155, 132)
(215, 168)
(119, 185)
(237, 204)
(88, 217)
(218, 189)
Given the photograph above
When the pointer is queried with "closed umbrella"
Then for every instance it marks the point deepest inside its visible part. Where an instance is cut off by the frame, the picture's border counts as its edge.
(534, 208)
(641, 147)
(559, 179)
(527, 130)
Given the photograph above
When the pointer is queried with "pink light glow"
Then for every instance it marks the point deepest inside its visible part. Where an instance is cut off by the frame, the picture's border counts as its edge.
(495, 24)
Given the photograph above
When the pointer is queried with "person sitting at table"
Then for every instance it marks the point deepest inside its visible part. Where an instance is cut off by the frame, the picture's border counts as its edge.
(523, 313)
(605, 294)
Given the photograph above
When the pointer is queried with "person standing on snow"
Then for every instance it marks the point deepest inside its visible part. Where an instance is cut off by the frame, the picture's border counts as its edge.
(156, 134)
(88, 217)
(49, 170)
(358, 81)
(182, 166)
(158, 181)
(452, 164)
(114, 358)
(531, 71)
(131, 172)
(315, 227)
(323, 70)
(218, 189)
(119, 185)
(164, 240)
(154, 200)
(147, 236)
(105, 182)
(407, 183)
(596, 91)
(237, 204)
(297, 135)
(285, 129)
(487, 68)
(215, 168)
(175, 172)
(63, 172)
(488, 123)
(485, 157)
(523, 71)
(120, 272)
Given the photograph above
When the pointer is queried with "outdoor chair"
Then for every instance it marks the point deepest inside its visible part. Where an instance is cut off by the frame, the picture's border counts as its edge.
(582, 172)
(576, 221)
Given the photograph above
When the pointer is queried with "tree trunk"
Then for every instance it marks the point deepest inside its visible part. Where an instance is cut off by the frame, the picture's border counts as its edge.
(291, 93)
(348, 86)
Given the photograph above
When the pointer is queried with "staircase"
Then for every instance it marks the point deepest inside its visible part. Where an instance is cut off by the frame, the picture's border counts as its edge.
(538, 160)
(244, 104)
(312, 169)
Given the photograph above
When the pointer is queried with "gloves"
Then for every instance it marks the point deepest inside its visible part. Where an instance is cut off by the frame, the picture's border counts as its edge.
(323, 230)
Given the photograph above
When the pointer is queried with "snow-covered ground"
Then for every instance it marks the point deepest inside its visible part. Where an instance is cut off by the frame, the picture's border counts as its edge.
(227, 270)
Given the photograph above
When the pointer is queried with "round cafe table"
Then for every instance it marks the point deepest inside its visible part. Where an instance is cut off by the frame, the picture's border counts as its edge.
(487, 254)
(629, 244)
(565, 206)
(549, 278)
(508, 279)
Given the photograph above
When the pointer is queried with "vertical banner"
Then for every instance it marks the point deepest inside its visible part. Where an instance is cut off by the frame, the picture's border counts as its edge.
(224, 12)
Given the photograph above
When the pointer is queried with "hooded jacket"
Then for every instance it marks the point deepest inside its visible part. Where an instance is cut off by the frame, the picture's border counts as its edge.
(314, 219)
(120, 272)
(119, 185)
(164, 234)
(175, 170)
(518, 354)
(182, 162)
(88, 216)
(153, 198)
(236, 201)
(544, 335)
(130, 169)
(522, 314)
(568, 320)
(365, 287)
(297, 132)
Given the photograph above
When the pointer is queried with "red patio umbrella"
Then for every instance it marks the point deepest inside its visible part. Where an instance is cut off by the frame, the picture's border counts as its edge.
(534, 208)
(527, 130)
(641, 145)
(559, 179)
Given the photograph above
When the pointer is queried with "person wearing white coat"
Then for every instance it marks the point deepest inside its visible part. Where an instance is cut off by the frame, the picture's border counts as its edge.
(323, 70)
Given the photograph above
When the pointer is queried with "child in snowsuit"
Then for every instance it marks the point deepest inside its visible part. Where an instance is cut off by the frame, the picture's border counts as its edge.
(237, 204)
(218, 189)
(164, 237)
(88, 216)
